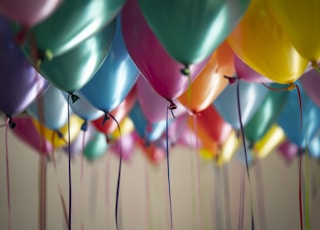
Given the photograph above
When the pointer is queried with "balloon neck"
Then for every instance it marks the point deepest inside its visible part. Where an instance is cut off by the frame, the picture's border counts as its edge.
(105, 118)
(11, 123)
(315, 65)
(60, 135)
(301, 151)
(251, 145)
(74, 97)
(22, 35)
(84, 126)
(186, 70)
(231, 80)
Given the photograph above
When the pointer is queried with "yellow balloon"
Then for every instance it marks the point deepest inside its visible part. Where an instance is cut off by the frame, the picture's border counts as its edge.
(126, 127)
(301, 20)
(206, 154)
(52, 136)
(261, 42)
(273, 138)
(229, 147)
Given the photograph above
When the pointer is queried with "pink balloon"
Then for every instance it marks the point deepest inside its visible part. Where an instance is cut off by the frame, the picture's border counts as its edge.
(153, 106)
(244, 72)
(26, 131)
(127, 144)
(28, 12)
(162, 72)
(310, 82)
(288, 150)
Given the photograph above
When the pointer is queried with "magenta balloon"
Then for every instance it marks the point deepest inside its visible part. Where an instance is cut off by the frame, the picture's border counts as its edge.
(27, 132)
(288, 150)
(153, 106)
(20, 83)
(310, 82)
(245, 73)
(28, 12)
(127, 144)
(162, 72)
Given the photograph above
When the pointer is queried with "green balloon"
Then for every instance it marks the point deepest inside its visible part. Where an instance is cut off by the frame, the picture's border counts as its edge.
(73, 69)
(190, 30)
(73, 22)
(96, 147)
(267, 113)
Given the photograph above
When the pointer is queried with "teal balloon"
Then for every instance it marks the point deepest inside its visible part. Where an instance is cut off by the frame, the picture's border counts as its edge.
(190, 30)
(267, 113)
(51, 109)
(72, 70)
(314, 147)
(72, 23)
(289, 119)
(115, 78)
(96, 147)
(251, 96)
(149, 131)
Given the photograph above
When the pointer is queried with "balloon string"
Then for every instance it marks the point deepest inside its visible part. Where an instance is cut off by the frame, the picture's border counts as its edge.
(69, 168)
(8, 175)
(119, 171)
(62, 200)
(300, 191)
(194, 214)
(226, 189)
(198, 171)
(81, 175)
(107, 183)
(260, 192)
(289, 88)
(241, 205)
(168, 167)
(307, 187)
(43, 191)
(148, 210)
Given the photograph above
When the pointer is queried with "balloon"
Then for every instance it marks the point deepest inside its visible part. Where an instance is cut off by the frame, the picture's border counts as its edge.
(29, 12)
(115, 78)
(314, 147)
(109, 126)
(211, 129)
(228, 149)
(300, 19)
(95, 147)
(71, 24)
(288, 150)
(126, 126)
(146, 130)
(161, 70)
(127, 144)
(20, 83)
(267, 114)
(261, 43)
(51, 109)
(78, 144)
(72, 70)
(289, 119)
(251, 96)
(191, 30)
(211, 81)
(244, 72)
(154, 153)
(153, 106)
(27, 132)
(310, 82)
(59, 138)
(83, 108)
(269, 142)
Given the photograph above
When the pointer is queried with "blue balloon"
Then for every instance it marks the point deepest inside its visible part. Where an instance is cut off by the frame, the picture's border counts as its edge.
(145, 129)
(314, 147)
(51, 109)
(251, 97)
(289, 119)
(115, 78)
(83, 108)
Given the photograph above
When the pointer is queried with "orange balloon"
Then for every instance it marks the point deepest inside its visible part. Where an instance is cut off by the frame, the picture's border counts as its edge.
(210, 82)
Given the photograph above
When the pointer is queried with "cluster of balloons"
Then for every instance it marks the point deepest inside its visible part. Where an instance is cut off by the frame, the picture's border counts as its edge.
(134, 60)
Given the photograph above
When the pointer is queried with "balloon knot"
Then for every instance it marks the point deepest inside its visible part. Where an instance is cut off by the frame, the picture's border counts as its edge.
(11, 123)
(251, 145)
(231, 80)
(172, 105)
(301, 151)
(74, 97)
(108, 139)
(186, 70)
(84, 126)
(147, 143)
(105, 118)
(60, 135)
(22, 35)
(292, 86)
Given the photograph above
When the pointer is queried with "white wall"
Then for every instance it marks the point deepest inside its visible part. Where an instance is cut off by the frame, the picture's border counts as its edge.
(280, 187)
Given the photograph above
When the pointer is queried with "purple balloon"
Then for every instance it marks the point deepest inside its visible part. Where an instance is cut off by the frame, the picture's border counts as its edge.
(27, 132)
(310, 82)
(288, 150)
(153, 106)
(245, 73)
(20, 83)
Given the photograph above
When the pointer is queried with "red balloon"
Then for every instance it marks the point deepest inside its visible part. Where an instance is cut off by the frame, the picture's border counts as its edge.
(119, 113)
